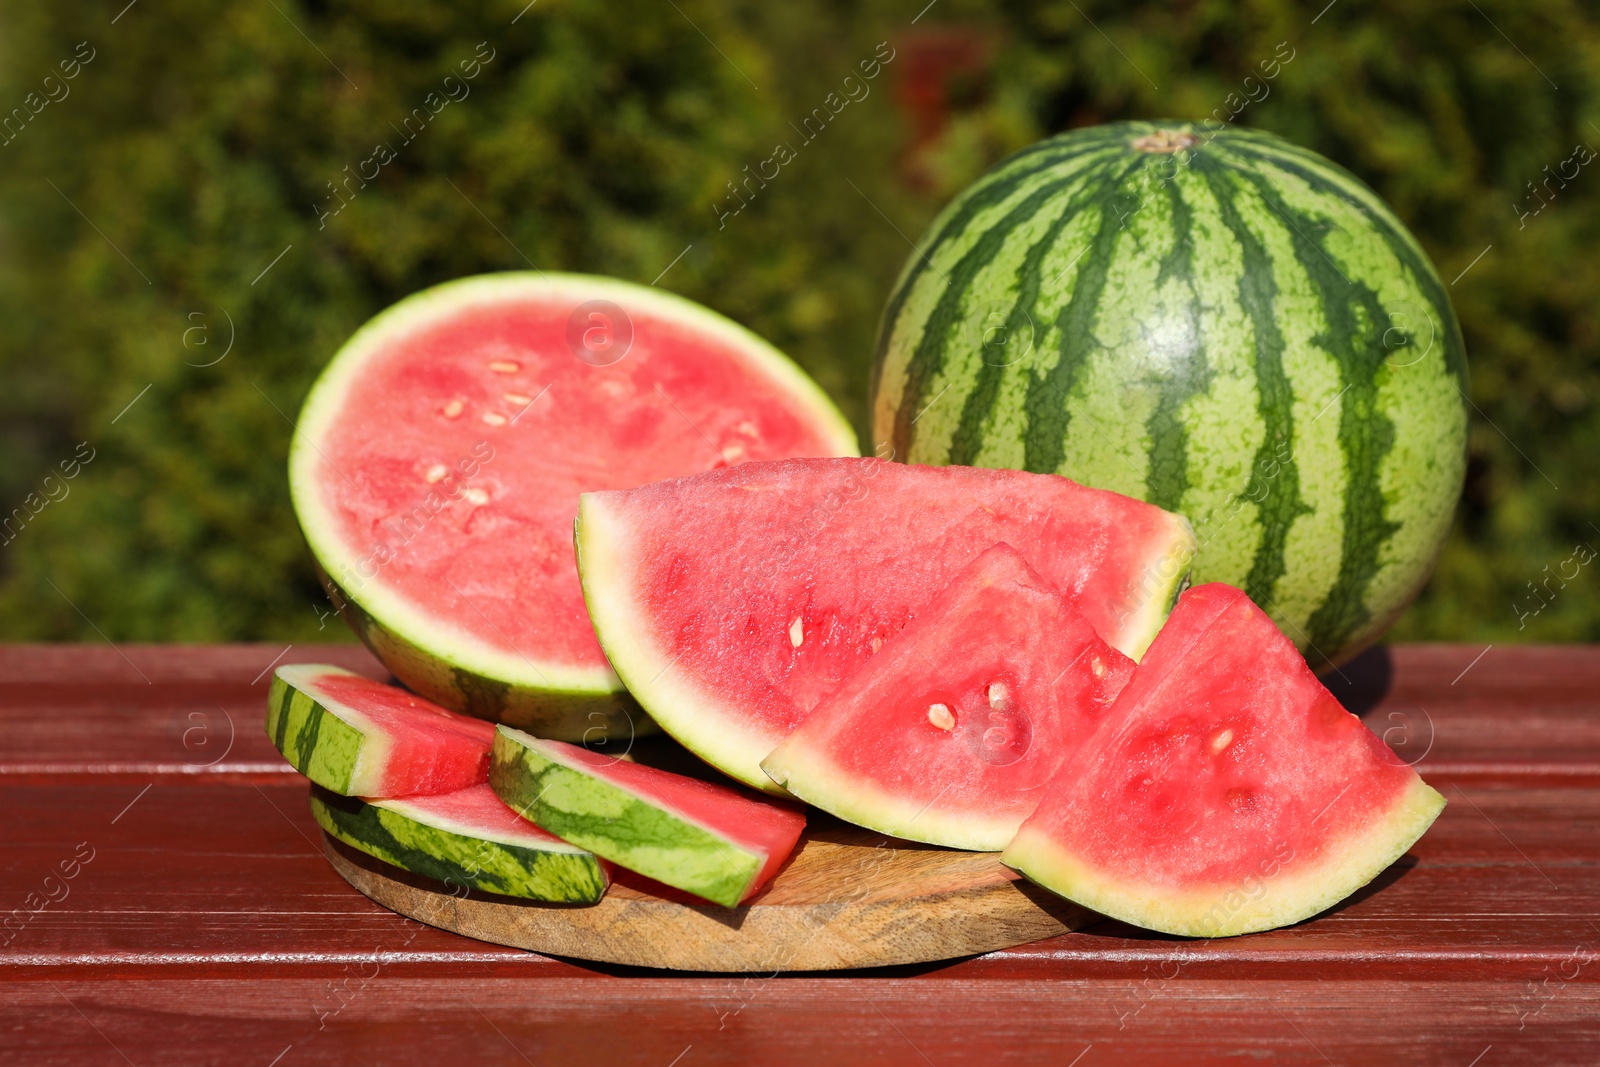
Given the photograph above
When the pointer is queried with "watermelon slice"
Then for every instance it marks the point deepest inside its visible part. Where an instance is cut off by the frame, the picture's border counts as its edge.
(732, 602)
(1227, 791)
(949, 733)
(364, 738)
(709, 840)
(438, 460)
(467, 839)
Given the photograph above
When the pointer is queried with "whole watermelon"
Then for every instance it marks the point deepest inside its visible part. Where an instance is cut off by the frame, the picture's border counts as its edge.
(1210, 319)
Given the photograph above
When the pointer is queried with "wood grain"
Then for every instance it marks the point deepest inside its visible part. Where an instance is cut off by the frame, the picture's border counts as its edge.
(210, 928)
(846, 898)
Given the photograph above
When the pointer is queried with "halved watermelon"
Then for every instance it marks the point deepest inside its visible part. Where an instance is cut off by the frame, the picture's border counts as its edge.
(715, 842)
(732, 602)
(468, 839)
(1227, 791)
(949, 733)
(359, 737)
(438, 460)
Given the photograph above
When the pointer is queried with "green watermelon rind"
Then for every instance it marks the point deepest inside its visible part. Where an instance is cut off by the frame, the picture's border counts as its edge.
(613, 822)
(444, 663)
(403, 835)
(1259, 901)
(321, 737)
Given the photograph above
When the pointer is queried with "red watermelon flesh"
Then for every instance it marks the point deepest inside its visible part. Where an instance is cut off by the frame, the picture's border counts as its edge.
(732, 602)
(439, 459)
(1227, 790)
(949, 733)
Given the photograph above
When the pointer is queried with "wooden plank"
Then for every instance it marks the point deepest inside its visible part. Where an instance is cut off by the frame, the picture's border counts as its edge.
(164, 711)
(371, 1016)
(1515, 714)
(205, 927)
(191, 875)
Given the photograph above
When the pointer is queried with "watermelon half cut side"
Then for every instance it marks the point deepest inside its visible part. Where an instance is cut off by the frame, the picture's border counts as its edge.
(438, 460)
(949, 733)
(718, 843)
(359, 737)
(732, 602)
(467, 839)
(1227, 790)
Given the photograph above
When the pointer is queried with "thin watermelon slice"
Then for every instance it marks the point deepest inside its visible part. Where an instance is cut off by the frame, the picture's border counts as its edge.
(715, 842)
(468, 839)
(949, 733)
(732, 602)
(1227, 791)
(438, 460)
(359, 737)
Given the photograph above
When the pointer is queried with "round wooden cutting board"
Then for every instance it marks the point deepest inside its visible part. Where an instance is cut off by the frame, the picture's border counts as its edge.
(847, 898)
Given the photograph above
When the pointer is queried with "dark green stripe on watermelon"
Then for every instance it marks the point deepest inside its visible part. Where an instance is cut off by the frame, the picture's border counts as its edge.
(458, 860)
(1355, 329)
(929, 358)
(1274, 479)
(1280, 419)
(317, 744)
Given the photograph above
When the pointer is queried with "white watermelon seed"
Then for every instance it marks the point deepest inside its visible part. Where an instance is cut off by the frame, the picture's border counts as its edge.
(1096, 665)
(1221, 741)
(999, 696)
(877, 643)
(476, 496)
(516, 399)
(797, 632)
(505, 366)
(939, 715)
(452, 409)
(494, 418)
(437, 472)
(733, 452)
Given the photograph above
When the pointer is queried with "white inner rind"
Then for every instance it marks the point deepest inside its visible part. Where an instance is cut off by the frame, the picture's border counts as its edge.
(438, 636)
(421, 810)
(1146, 622)
(1258, 902)
(716, 733)
(860, 801)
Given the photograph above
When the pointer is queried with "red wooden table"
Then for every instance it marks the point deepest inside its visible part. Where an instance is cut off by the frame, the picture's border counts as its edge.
(165, 901)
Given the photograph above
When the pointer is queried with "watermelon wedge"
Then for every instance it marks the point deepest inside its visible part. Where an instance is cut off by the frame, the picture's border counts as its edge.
(1227, 790)
(732, 602)
(467, 839)
(438, 460)
(949, 733)
(358, 737)
(715, 842)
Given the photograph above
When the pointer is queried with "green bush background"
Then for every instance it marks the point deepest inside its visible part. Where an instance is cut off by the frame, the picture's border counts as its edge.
(192, 147)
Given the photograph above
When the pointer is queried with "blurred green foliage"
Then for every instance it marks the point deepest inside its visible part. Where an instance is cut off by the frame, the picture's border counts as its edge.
(139, 209)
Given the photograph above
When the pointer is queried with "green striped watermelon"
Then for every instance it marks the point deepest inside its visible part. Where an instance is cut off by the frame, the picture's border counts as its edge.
(1215, 321)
